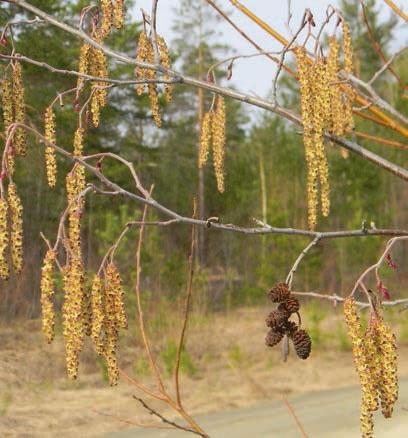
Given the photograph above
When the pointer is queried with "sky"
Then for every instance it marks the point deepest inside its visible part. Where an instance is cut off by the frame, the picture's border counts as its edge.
(274, 12)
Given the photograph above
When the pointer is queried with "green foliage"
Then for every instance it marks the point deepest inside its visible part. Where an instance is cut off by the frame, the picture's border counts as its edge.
(169, 356)
(315, 315)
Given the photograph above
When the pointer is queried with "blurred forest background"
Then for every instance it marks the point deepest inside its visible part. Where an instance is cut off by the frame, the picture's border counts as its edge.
(265, 173)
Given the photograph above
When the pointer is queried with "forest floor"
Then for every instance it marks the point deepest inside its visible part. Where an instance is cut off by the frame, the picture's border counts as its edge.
(226, 366)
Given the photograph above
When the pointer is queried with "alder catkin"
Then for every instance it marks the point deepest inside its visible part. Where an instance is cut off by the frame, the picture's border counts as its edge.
(118, 13)
(4, 240)
(218, 138)
(98, 314)
(16, 225)
(143, 53)
(47, 294)
(205, 139)
(107, 10)
(50, 155)
(166, 62)
(20, 142)
(8, 117)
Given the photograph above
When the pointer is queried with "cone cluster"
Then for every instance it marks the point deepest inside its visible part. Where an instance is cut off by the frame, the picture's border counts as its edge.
(279, 324)
(145, 53)
(326, 106)
(375, 358)
(213, 132)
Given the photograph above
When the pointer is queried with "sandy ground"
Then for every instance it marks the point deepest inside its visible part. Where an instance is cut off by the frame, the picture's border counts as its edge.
(234, 370)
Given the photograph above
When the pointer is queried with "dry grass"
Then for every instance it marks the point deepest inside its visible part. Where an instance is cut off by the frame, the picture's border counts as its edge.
(232, 368)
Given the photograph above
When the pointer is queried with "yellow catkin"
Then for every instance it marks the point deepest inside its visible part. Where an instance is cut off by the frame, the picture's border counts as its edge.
(47, 294)
(144, 51)
(306, 103)
(73, 328)
(98, 314)
(348, 68)
(336, 102)
(83, 64)
(114, 288)
(7, 102)
(368, 362)
(16, 225)
(218, 139)
(50, 155)
(4, 240)
(166, 62)
(388, 385)
(107, 10)
(321, 110)
(205, 139)
(99, 68)
(118, 14)
(115, 318)
(20, 143)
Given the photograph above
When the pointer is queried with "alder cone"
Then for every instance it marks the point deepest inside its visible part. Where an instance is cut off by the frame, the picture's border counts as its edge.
(289, 328)
(279, 293)
(273, 338)
(291, 305)
(277, 318)
(302, 343)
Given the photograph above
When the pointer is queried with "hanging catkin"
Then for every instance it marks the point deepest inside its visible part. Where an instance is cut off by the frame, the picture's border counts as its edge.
(50, 155)
(20, 142)
(47, 294)
(218, 138)
(16, 226)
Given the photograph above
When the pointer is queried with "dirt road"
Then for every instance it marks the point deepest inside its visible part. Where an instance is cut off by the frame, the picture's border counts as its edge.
(324, 414)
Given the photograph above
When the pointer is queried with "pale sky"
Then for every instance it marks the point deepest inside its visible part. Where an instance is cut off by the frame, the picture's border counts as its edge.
(274, 12)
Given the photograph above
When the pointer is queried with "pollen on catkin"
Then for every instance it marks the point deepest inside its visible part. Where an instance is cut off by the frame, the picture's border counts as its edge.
(73, 327)
(205, 139)
(118, 13)
(4, 240)
(8, 117)
(20, 142)
(50, 155)
(143, 53)
(47, 294)
(99, 68)
(107, 10)
(166, 63)
(16, 225)
(98, 314)
(218, 138)
(388, 385)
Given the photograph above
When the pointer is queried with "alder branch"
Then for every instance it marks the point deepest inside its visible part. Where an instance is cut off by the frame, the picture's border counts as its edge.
(261, 103)
(338, 299)
(116, 190)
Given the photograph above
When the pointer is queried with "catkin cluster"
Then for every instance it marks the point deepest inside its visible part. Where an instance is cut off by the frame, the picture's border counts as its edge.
(213, 132)
(50, 155)
(112, 15)
(11, 213)
(108, 317)
(375, 358)
(145, 53)
(47, 294)
(93, 62)
(279, 324)
(325, 106)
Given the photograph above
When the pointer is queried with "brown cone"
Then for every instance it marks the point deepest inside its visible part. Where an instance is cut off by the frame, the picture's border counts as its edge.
(291, 305)
(277, 318)
(302, 343)
(273, 338)
(279, 293)
(290, 328)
